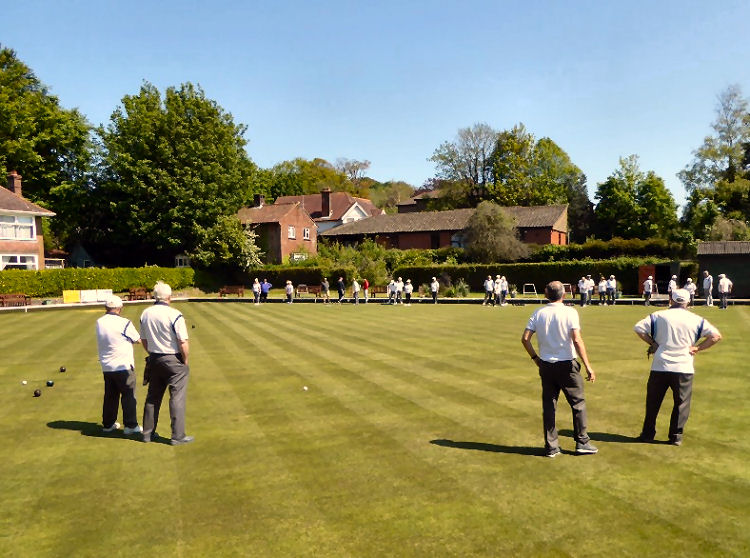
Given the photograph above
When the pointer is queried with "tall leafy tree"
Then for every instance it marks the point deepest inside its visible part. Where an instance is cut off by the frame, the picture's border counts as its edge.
(633, 204)
(491, 236)
(171, 168)
(719, 175)
(48, 145)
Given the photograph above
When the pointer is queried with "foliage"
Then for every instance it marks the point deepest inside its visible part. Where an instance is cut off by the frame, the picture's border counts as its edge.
(490, 235)
(48, 145)
(228, 244)
(171, 167)
(718, 179)
(729, 229)
(52, 282)
(387, 195)
(467, 159)
(625, 269)
(633, 204)
(616, 247)
(460, 289)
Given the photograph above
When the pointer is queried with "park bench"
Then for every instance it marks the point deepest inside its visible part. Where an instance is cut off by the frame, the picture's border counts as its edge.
(239, 290)
(138, 293)
(378, 289)
(309, 289)
(14, 299)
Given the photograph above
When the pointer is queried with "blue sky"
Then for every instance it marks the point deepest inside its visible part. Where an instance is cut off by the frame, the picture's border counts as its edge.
(390, 81)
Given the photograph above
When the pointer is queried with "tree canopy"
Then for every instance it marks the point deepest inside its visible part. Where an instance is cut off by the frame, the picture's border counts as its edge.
(169, 168)
(491, 236)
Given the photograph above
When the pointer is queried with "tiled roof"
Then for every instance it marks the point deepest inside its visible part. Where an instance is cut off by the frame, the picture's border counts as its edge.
(341, 202)
(722, 247)
(266, 214)
(10, 201)
(553, 216)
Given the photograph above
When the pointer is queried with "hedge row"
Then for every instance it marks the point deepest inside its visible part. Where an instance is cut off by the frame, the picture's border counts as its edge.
(617, 247)
(624, 269)
(52, 282)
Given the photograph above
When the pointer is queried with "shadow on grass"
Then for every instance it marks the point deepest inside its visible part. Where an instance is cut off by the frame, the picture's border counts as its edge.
(479, 446)
(605, 437)
(94, 430)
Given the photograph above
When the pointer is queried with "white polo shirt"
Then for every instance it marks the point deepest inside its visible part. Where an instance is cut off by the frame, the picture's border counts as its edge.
(648, 286)
(725, 285)
(553, 324)
(675, 330)
(115, 336)
(163, 327)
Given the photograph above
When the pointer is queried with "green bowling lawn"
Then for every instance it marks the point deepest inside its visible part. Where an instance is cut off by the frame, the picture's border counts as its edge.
(419, 435)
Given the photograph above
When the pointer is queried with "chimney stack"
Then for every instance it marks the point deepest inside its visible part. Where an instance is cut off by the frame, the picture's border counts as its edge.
(14, 183)
(326, 209)
(259, 200)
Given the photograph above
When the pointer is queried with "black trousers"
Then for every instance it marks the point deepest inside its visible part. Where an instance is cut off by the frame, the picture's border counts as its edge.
(166, 371)
(562, 376)
(682, 391)
(119, 386)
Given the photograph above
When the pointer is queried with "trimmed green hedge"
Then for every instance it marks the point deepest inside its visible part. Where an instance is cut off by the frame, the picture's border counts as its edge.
(624, 269)
(616, 248)
(52, 282)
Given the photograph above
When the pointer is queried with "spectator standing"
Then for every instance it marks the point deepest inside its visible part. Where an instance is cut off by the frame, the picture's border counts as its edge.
(325, 290)
(590, 289)
(115, 337)
(498, 291)
(648, 287)
(725, 288)
(690, 288)
(366, 289)
(256, 291)
(408, 289)
(672, 285)
(503, 290)
(399, 291)
(434, 288)
(289, 291)
(708, 288)
(265, 287)
(165, 337)
(489, 291)
(602, 288)
(341, 286)
(391, 291)
(355, 290)
(673, 336)
(558, 331)
(611, 289)
(583, 289)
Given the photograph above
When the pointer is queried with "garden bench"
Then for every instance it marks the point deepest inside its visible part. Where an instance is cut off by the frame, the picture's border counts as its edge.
(138, 293)
(378, 289)
(309, 289)
(239, 290)
(14, 299)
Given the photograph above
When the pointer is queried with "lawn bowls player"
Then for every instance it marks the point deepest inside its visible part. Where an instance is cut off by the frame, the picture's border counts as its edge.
(674, 337)
(558, 330)
(115, 337)
(165, 337)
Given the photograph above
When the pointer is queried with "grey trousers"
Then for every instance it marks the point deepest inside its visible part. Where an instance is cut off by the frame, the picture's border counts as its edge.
(166, 371)
(562, 376)
(682, 391)
(119, 386)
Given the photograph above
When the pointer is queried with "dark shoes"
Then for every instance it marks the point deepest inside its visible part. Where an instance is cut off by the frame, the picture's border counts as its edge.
(151, 437)
(645, 439)
(585, 449)
(185, 440)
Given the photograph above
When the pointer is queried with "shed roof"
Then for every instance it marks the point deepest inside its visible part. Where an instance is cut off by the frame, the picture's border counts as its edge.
(10, 201)
(723, 247)
(340, 202)
(265, 214)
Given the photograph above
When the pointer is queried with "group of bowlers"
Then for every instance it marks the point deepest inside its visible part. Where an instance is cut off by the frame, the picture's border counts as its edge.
(674, 336)
(164, 336)
(607, 289)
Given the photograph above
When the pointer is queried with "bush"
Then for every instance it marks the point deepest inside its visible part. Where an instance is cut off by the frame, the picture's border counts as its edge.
(52, 282)
(625, 269)
(615, 248)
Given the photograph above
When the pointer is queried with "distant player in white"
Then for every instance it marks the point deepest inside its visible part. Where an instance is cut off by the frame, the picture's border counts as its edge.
(708, 288)
(648, 288)
(725, 288)
(611, 289)
(690, 287)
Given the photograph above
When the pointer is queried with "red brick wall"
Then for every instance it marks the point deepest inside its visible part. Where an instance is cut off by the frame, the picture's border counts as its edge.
(543, 236)
(25, 247)
(299, 220)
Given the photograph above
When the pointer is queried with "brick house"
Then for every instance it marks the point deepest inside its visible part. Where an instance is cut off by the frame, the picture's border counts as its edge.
(331, 209)
(21, 239)
(283, 229)
(439, 229)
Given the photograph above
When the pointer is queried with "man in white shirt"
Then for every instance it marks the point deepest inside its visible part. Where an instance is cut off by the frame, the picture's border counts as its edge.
(690, 288)
(355, 290)
(583, 290)
(503, 290)
(400, 291)
(115, 337)
(672, 285)
(648, 288)
(434, 288)
(611, 289)
(408, 289)
(673, 336)
(602, 289)
(489, 291)
(165, 337)
(725, 288)
(558, 330)
(708, 288)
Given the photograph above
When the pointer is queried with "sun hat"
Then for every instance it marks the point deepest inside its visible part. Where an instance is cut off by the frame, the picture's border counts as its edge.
(113, 302)
(681, 296)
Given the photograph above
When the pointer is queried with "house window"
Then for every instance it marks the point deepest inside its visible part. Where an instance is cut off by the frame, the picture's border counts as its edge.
(17, 262)
(17, 227)
(291, 232)
(306, 233)
(181, 260)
